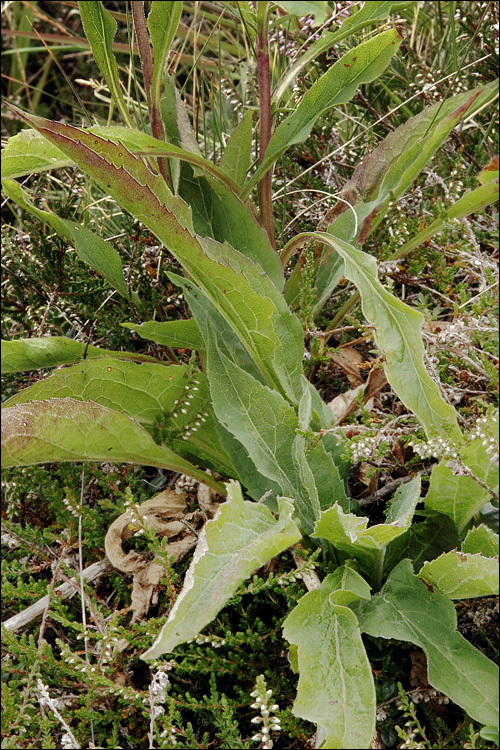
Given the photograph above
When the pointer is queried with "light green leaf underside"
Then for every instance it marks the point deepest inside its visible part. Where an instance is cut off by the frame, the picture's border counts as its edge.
(336, 689)
(398, 335)
(178, 334)
(338, 85)
(49, 351)
(92, 249)
(242, 537)
(406, 610)
(481, 539)
(29, 152)
(69, 430)
(461, 497)
(461, 576)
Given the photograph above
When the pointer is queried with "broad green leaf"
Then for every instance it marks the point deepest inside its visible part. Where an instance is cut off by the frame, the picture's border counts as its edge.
(461, 497)
(49, 351)
(144, 392)
(178, 334)
(172, 398)
(239, 289)
(100, 30)
(351, 536)
(390, 169)
(163, 20)
(263, 421)
(92, 249)
(370, 12)
(235, 160)
(481, 539)
(336, 689)
(460, 575)
(242, 537)
(316, 8)
(29, 152)
(398, 335)
(338, 85)
(68, 430)
(407, 610)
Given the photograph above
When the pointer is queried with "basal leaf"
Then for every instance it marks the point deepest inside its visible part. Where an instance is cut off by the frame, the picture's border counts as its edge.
(398, 335)
(100, 29)
(92, 249)
(459, 496)
(407, 610)
(68, 430)
(242, 537)
(178, 334)
(424, 540)
(235, 161)
(460, 575)
(49, 351)
(490, 172)
(336, 689)
(338, 85)
(169, 398)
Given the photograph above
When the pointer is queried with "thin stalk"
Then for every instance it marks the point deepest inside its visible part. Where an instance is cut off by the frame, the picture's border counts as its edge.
(265, 122)
(142, 36)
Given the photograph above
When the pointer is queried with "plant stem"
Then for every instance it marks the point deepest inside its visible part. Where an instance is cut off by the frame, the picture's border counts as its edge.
(265, 123)
(142, 36)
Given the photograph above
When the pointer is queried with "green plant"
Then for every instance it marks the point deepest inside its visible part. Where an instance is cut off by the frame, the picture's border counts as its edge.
(243, 408)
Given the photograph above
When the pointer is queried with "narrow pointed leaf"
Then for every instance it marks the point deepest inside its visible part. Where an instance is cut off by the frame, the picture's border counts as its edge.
(241, 291)
(242, 537)
(100, 29)
(163, 20)
(406, 610)
(338, 85)
(336, 689)
(49, 351)
(69, 430)
(390, 169)
(178, 334)
(235, 160)
(460, 575)
(370, 12)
